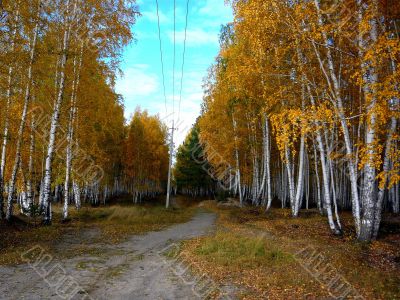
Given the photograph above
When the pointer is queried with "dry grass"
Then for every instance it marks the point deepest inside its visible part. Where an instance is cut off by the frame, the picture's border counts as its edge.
(115, 222)
(118, 222)
(255, 250)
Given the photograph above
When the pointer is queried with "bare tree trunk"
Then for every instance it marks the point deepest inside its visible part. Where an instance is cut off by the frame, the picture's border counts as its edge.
(335, 91)
(290, 176)
(22, 197)
(370, 78)
(323, 159)
(11, 189)
(386, 168)
(318, 184)
(70, 133)
(268, 164)
(386, 164)
(29, 193)
(237, 161)
(261, 192)
(7, 117)
(325, 175)
(300, 177)
(55, 116)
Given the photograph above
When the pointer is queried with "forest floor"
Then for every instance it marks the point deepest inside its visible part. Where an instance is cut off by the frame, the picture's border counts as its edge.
(92, 263)
(192, 252)
(273, 256)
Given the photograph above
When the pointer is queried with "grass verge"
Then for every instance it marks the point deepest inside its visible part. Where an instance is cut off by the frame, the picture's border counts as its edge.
(257, 252)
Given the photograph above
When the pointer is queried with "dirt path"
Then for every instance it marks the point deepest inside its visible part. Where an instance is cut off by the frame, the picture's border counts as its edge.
(130, 270)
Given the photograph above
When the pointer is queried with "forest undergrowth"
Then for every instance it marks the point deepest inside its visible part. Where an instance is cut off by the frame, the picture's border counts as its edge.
(258, 251)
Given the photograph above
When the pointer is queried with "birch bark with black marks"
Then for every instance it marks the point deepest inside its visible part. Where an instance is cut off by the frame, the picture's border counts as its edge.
(7, 108)
(17, 161)
(325, 175)
(70, 133)
(290, 177)
(300, 175)
(29, 192)
(266, 180)
(317, 194)
(386, 168)
(237, 160)
(322, 155)
(370, 78)
(386, 162)
(334, 87)
(300, 178)
(56, 113)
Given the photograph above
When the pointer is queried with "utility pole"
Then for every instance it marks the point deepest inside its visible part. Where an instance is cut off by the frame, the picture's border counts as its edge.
(171, 151)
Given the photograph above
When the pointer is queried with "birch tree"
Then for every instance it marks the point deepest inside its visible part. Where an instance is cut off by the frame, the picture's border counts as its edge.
(325, 76)
(17, 162)
(14, 24)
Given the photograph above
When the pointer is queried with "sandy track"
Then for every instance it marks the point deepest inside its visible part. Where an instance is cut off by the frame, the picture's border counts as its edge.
(130, 270)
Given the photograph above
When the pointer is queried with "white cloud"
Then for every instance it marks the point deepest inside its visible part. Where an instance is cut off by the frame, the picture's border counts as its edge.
(142, 84)
(137, 82)
(216, 8)
(190, 109)
(190, 105)
(152, 16)
(194, 37)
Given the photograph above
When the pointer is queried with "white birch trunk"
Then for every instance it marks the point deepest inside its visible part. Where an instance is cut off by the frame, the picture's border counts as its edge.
(7, 117)
(237, 161)
(29, 192)
(318, 192)
(17, 162)
(267, 158)
(325, 175)
(77, 195)
(339, 103)
(55, 117)
(300, 177)
(386, 168)
(323, 158)
(70, 133)
(289, 170)
(370, 78)
(261, 192)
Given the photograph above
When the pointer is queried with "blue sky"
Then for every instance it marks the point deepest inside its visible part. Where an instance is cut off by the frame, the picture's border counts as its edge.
(142, 85)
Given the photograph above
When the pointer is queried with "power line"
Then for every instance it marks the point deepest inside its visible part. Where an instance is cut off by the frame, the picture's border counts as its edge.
(171, 145)
(162, 58)
(183, 59)
(174, 62)
(171, 142)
